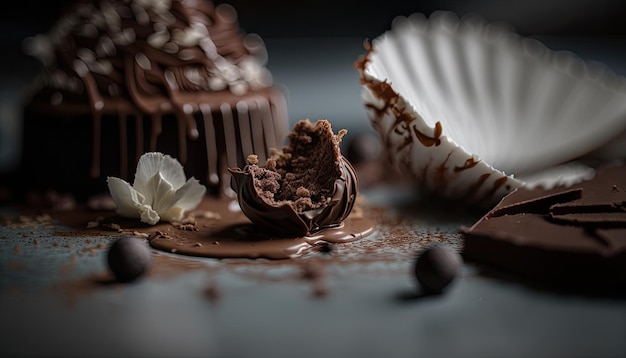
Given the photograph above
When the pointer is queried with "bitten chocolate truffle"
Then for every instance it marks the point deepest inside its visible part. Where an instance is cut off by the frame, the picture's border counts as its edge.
(307, 187)
(436, 267)
(128, 258)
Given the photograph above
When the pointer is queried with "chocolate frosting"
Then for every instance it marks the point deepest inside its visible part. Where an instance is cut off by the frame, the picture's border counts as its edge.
(142, 63)
(283, 217)
(313, 160)
(157, 57)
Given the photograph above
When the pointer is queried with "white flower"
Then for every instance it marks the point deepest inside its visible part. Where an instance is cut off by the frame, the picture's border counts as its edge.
(159, 191)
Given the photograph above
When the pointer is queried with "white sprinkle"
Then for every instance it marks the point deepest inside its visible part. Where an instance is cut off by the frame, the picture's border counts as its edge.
(187, 108)
(217, 84)
(124, 11)
(114, 90)
(105, 47)
(193, 75)
(186, 55)
(89, 30)
(56, 99)
(143, 61)
(98, 105)
(141, 15)
(171, 79)
(168, 18)
(130, 35)
(158, 39)
(80, 67)
(200, 28)
(170, 47)
(208, 46)
(98, 19)
(85, 54)
(238, 88)
(159, 27)
(103, 67)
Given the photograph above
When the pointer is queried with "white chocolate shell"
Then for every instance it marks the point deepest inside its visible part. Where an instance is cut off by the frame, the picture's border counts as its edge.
(471, 108)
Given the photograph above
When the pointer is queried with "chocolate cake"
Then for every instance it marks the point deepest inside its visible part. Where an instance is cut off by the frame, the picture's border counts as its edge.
(122, 78)
(568, 237)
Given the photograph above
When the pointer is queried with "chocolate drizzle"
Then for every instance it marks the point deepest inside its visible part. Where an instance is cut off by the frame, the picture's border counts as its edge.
(126, 60)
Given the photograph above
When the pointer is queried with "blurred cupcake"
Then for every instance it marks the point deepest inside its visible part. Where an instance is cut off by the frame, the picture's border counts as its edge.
(123, 78)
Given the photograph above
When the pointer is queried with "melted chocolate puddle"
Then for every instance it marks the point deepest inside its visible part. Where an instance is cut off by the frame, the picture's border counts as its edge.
(217, 228)
(232, 235)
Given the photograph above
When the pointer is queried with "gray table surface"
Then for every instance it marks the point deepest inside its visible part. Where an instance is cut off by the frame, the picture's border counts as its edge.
(262, 310)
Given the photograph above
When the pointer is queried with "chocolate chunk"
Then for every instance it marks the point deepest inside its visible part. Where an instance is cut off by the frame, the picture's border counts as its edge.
(129, 258)
(568, 237)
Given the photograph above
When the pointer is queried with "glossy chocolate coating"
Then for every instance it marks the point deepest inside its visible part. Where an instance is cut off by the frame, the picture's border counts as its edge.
(312, 160)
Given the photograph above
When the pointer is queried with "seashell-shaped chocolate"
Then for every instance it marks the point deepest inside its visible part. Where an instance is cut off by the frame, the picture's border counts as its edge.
(305, 188)
(472, 109)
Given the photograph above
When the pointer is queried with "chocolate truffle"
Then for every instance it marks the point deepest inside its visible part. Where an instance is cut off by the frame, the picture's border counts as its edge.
(570, 237)
(307, 187)
(436, 267)
(128, 258)
(126, 77)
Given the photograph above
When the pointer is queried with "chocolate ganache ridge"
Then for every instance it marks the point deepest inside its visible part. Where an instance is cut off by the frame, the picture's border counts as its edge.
(142, 63)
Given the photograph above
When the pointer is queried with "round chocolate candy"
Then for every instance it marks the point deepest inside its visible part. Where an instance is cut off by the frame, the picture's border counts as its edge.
(129, 258)
(436, 267)
(363, 147)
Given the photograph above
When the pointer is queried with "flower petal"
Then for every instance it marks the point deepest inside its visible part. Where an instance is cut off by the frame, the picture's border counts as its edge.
(153, 162)
(148, 216)
(163, 194)
(175, 213)
(126, 198)
(185, 199)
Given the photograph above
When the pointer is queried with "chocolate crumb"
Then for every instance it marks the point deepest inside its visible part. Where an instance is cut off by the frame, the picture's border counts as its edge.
(253, 159)
(212, 291)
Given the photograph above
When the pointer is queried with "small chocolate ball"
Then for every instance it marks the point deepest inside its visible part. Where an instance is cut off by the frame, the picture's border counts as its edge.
(129, 258)
(436, 267)
(363, 147)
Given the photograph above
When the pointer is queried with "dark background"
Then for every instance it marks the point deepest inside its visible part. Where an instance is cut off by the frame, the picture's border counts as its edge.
(313, 44)
(282, 18)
